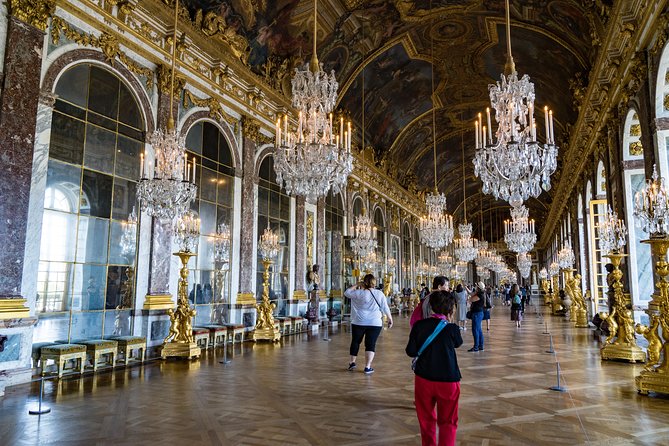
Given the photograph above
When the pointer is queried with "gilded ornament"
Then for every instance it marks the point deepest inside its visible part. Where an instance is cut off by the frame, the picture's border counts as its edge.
(215, 108)
(636, 148)
(251, 130)
(163, 77)
(214, 25)
(265, 330)
(654, 341)
(310, 237)
(33, 12)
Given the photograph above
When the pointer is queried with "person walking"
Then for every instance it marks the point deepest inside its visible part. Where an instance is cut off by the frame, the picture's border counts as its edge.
(368, 306)
(516, 305)
(477, 302)
(423, 311)
(487, 307)
(432, 344)
(460, 295)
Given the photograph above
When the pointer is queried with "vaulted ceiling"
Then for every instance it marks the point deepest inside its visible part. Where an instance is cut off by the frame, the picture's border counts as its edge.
(398, 45)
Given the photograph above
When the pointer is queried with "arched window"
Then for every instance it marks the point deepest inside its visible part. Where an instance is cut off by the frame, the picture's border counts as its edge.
(640, 261)
(274, 212)
(87, 254)
(210, 282)
(662, 111)
(334, 227)
(598, 208)
(380, 225)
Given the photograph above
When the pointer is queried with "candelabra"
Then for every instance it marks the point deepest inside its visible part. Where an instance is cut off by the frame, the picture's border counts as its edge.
(265, 330)
(545, 287)
(519, 233)
(516, 166)
(315, 157)
(553, 272)
(180, 342)
(566, 256)
(651, 207)
(364, 240)
(612, 233)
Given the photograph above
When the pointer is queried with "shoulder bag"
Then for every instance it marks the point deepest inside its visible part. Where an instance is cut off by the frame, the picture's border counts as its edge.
(440, 326)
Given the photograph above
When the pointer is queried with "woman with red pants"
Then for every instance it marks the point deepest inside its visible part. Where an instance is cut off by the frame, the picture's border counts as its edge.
(437, 380)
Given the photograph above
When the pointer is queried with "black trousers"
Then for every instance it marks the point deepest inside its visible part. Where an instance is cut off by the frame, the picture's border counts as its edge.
(369, 332)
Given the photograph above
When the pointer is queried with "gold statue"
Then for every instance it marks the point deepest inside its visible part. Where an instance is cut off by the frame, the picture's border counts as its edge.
(387, 283)
(265, 329)
(654, 342)
(579, 306)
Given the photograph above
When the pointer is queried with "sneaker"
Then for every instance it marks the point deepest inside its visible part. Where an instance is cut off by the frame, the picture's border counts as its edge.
(473, 349)
(481, 349)
(351, 366)
(369, 370)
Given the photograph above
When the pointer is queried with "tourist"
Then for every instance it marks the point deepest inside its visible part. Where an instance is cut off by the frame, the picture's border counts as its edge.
(516, 306)
(461, 301)
(368, 306)
(423, 311)
(487, 308)
(477, 302)
(437, 376)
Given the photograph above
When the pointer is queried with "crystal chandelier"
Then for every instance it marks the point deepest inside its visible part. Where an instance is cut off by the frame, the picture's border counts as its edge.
(314, 157)
(445, 261)
(516, 166)
(612, 233)
(369, 261)
(519, 232)
(524, 264)
(482, 257)
(222, 244)
(651, 207)
(482, 272)
(392, 261)
(166, 188)
(129, 235)
(566, 256)
(187, 231)
(543, 274)
(553, 269)
(269, 245)
(364, 241)
(466, 247)
(461, 269)
(436, 229)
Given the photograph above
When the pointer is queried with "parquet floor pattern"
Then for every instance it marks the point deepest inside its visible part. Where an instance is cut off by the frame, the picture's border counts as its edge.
(299, 393)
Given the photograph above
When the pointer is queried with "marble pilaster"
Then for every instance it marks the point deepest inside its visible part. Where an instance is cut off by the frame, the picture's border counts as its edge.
(300, 244)
(320, 231)
(247, 237)
(336, 261)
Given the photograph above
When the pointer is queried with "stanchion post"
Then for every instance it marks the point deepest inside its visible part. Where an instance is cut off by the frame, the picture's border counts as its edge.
(41, 410)
(551, 350)
(225, 352)
(546, 329)
(327, 332)
(558, 388)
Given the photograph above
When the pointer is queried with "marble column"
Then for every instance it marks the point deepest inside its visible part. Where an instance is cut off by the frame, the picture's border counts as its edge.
(246, 253)
(336, 263)
(160, 254)
(320, 232)
(18, 120)
(300, 246)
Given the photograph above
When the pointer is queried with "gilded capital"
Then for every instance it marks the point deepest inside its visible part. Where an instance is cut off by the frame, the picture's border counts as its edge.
(251, 130)
(33, 12)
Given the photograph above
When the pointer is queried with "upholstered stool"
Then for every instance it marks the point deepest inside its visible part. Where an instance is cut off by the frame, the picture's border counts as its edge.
(284, 325)
(201, 335)
(217, 334)
(233, 331)
(127, 345)
(298, 324)
(101, 348)
(36, 351)
(60, 354)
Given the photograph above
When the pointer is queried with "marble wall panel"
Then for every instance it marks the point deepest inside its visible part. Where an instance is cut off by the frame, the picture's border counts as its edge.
(18, 117)
(320, 231)
(161, 257)
(247, 236)
(337, 258)
(300, 244)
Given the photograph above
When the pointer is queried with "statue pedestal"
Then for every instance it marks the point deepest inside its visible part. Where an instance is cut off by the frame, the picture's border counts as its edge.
(623, 352)
(652, 381)
(266, 334)
(582, 319)
(180, 350)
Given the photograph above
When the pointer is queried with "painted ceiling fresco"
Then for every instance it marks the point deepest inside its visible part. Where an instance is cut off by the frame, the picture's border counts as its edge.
(554, 41)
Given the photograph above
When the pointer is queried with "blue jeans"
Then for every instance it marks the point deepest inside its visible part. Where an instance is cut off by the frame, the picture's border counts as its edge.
(477, 317)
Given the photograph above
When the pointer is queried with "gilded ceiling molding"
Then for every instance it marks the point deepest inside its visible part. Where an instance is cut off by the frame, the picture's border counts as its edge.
(33, 12)
(216, 111)
(164, 78)
(251, 130)
(107, 43)
(618, 52)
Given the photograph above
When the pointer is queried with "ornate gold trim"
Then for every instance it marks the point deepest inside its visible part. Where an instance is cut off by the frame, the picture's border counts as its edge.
(158, 302)
(251, 130)
(33, 12)
(13, 308)
(215, 109)
(246, 299)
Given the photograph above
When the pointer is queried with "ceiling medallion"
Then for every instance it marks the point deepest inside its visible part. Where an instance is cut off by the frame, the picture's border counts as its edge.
(516, 166)
(316, 156)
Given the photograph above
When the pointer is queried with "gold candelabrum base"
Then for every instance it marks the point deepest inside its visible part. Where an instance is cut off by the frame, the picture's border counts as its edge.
(556, 303)
(578, 313)
(621, 342)
(265, 330)
(180, 343)
(655, 376)
(546, 290)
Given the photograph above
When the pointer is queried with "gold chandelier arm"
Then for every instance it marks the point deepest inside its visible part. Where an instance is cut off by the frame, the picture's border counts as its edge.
(313, 65)
(510, 66)
(170, 121)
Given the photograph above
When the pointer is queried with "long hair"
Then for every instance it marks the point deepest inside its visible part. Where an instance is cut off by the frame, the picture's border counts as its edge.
(368, 281)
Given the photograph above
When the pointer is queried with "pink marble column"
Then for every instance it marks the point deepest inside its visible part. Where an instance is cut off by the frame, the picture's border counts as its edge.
(320, 232)
(246, 254)
(300, 244)
(18, 115)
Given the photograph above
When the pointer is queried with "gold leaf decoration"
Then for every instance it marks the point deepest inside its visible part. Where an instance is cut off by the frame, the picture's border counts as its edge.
(215, 109)
(636, 148)
(33, 12)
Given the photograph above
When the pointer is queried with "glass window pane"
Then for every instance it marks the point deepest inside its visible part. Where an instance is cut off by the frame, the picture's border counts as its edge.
(127, 157)
(51, 327)
(54, 286)
(70, 110)
(194, 138)
(103, 92)
(263, 201)
(116, 278)
(125, 198)
(67, 139)
(223, 215)
(274, 204)
(92, 240)
(89, 287)
(72, 85)
(207, 218)
(117, 323)
(128, 111)
(58, 236)
(62, 187)
(208, 185)
(96, 194)
(86, 325)
(224, 155)
(210, 141)
(285, 208)
(122, 244)
(100, 147)
(102, 121)
(225, 185)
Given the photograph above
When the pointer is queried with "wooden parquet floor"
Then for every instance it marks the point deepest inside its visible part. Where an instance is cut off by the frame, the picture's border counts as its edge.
(299, 393)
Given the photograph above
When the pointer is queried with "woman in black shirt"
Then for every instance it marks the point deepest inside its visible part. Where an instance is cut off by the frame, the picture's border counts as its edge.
(477, 301)
(437, 376)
